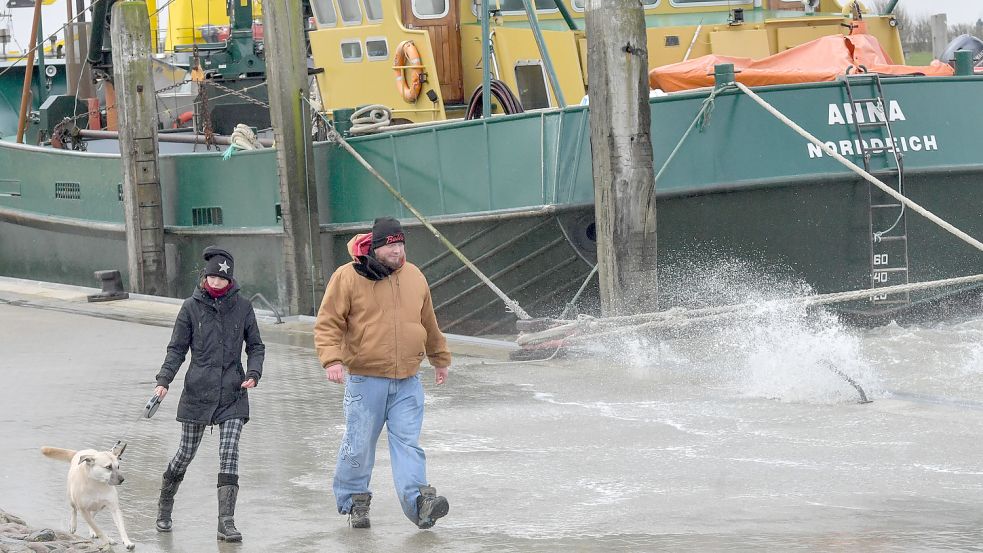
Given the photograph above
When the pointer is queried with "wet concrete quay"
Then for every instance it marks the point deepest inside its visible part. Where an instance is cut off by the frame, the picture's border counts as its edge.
(681, 447)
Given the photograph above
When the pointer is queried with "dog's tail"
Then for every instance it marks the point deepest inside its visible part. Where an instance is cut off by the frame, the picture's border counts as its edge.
(58, 453)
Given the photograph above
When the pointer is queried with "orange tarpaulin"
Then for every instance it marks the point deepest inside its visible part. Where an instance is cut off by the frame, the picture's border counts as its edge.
(823, 59)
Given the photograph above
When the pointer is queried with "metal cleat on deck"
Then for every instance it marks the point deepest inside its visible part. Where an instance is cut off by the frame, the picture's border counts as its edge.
(112, 287)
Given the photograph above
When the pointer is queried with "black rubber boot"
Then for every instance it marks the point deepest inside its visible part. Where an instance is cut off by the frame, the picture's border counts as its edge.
(228, 491)
(359, 516)
(430, 507)
(168, 487)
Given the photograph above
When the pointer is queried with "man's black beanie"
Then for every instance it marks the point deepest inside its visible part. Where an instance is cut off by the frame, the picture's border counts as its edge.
(386, 230)
(218, 262)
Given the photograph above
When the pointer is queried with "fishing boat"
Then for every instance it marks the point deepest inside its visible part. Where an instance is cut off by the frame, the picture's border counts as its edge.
(514, 192)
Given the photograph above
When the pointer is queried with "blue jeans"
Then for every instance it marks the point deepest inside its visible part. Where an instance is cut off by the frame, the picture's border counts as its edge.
(371, 402)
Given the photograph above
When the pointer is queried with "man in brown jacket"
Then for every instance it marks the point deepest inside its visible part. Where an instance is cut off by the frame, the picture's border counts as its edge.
(377, 322)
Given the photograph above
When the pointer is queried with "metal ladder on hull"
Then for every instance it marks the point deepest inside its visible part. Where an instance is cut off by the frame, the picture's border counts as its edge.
(887, 222)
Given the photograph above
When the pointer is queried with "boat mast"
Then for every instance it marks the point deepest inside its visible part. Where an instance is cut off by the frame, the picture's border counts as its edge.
(42, 89)
(78, 73)
(69, 47)
(25, 96)
(485, 61)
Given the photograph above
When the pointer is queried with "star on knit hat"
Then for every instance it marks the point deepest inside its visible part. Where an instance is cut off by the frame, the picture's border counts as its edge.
(219, 262)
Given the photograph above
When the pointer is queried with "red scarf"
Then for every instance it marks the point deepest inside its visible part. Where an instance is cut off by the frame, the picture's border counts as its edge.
(216, 292)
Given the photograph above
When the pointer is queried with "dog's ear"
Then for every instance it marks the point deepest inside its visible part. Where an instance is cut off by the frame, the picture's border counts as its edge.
(86, 459)
(118, 449)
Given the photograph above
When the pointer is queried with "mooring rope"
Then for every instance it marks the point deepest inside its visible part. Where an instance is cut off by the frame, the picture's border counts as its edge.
(335, 136)
(702, 117)
(571, 306)
(591, 328)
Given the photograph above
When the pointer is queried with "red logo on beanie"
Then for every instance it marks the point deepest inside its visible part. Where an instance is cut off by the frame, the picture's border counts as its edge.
(392, 238)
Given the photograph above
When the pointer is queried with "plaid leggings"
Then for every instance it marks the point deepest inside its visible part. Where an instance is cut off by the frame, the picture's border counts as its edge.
(228, 448)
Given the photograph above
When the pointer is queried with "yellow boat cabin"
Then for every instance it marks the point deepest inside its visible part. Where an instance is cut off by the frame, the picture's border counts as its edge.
(422, 58)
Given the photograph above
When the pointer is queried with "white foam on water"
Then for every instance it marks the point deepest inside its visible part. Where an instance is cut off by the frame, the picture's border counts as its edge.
(608, 492)
(967, 347)
(792, 355)
(948, 470)
(771, 349)
(973, 362)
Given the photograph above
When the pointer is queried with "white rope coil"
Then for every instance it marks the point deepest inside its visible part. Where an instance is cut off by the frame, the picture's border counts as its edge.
(370, 119)
(243, 138)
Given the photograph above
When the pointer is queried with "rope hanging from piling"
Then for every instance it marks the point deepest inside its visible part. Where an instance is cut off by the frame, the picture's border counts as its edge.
(510, 304)
(702, 117)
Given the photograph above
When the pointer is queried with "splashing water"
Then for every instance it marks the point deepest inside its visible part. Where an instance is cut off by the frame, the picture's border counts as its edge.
(776, 350)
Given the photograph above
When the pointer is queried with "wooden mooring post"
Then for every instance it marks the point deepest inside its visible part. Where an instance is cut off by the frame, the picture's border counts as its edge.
(286, 79)
(621, 151)
(136, 107)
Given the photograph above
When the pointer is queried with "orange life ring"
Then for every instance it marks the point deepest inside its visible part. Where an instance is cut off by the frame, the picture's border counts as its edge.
(408, 57)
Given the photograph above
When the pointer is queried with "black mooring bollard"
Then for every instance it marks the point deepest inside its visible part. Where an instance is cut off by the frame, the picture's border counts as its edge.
(112, 287)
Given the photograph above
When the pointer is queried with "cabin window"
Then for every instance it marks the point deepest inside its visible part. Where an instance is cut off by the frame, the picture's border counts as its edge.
(531, 80)
(430, 9)
(578, 5)
(373, 11)
(324, 13)
(351, 13)
(351, 50)
(376, 48)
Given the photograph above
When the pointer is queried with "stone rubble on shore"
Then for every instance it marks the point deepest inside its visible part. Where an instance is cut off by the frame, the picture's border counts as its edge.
(17, 537)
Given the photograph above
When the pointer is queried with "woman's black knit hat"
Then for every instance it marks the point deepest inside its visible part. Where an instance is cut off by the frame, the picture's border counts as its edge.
(218, 262)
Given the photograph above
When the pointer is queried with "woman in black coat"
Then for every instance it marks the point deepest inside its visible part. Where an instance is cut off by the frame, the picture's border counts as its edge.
(213, 323)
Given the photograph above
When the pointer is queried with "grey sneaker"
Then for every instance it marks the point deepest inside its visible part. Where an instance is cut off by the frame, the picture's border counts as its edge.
(430, 507)
(359, 516)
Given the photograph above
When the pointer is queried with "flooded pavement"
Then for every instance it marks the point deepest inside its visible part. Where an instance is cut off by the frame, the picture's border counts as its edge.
(734, 442)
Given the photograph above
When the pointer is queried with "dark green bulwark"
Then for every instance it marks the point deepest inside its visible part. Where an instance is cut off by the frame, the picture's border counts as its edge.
(516, 193)
(513, 161)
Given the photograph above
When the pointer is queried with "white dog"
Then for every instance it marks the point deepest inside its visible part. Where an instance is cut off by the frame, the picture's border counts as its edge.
(92, 480)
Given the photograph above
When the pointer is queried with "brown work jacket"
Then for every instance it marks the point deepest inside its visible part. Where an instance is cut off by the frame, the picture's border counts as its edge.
(379, 328)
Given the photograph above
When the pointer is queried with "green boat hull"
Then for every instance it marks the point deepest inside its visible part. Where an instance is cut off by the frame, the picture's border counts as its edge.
(516, 194)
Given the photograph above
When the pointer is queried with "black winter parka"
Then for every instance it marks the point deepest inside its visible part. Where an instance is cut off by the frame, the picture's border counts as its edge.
(214, 330)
